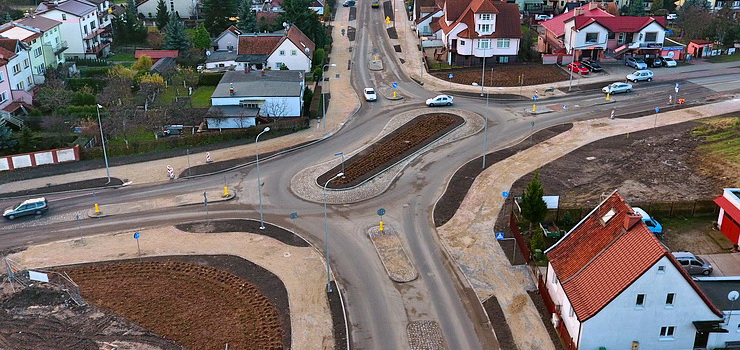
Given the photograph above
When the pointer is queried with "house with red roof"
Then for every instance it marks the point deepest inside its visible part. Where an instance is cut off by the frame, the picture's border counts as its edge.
(156, 55)
(258, 51)
(473, 30)
(614, 285)
(20, 75)
(729, 214)
(591, 32)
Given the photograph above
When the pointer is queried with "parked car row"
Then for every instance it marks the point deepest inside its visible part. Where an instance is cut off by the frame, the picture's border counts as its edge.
(654, 62)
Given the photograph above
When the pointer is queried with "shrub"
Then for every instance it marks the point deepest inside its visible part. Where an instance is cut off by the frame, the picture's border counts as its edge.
(210, 79)
(91, 72)
(81, 98)
(77, 83)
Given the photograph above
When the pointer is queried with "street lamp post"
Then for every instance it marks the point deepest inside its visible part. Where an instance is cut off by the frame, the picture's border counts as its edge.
(483, 71)
(102, 139)
(326, 236)
(259, 184)
(323, 94)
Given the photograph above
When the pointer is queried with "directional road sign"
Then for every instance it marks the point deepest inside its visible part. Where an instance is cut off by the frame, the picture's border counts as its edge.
(451, 76)
(381, 212)
(505, 194)
(294, 215)
(499, 235)
(395, 85)
(137, 235)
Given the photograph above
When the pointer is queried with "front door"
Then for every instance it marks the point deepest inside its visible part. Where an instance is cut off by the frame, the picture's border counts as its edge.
(700, 340)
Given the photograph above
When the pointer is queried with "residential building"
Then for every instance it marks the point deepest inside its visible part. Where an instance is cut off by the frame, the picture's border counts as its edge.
(257, 51)
(424, 14)
(81, 26)
(716, 5)
(44, 39)
(719, 290)
(477, 30)
(105, 16)
(729, 214)
(19, 69)
(6, 96)
(227, 40)
(589, 31)
(614, 285)
(183, 8)
(243, 97)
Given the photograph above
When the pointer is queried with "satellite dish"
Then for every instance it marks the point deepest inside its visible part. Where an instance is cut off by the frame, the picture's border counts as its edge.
(286, 25)
(307, 51)
(208, 52)
(732, 296)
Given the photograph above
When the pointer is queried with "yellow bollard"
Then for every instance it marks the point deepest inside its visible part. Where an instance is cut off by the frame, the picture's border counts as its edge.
(97, 209)
(395, 94)
(375, 58)
(534, 108)
(381, 226)
(607, 96)
(226, 191)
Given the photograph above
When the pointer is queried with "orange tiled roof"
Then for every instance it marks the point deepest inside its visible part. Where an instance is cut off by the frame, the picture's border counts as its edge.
(598, 260)
(507, 18)
(258, 44)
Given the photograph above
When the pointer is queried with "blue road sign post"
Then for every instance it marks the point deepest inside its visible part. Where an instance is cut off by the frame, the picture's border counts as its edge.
(381, 212)
(505, 194)
(293, 216)
(394, 85)
(450, 77)
(136, 237)
(499, 235)
(657, 109)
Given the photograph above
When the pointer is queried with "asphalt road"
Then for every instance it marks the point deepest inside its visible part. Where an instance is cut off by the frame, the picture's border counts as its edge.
(379, 309)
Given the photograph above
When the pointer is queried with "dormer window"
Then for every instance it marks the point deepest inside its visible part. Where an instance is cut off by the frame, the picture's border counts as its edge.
(485, 16)
(484, 28)
(610, 214)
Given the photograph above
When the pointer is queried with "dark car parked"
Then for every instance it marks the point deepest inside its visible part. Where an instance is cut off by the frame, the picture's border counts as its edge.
(592, 65)
(654, 62)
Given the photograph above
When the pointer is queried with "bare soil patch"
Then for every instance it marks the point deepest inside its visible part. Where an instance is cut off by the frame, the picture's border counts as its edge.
(505, 75)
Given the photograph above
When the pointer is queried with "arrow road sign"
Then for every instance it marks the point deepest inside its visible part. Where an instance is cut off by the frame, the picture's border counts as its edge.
(137, 235)
(499, 235)
(451, 76)
(294, 215)
(676, 88)
(505, 194)
(395, 85)
(381, 212)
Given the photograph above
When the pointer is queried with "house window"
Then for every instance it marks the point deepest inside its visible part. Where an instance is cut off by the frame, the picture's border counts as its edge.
(26, 63)
(282, 52)
(278, 65)
(92, 25)
(622, 38)
(462, 42)
(640, 302)
(669, 299)
(651, 37)
(19, 86)
(592, 38)
(666, 332)
(503, 59)
(572, 312)
(37, 52)
(484, 44)
(64, 16)
(3, 96)
(17, 68)
(293, 52)
(661, 269)
(2, 77)
(503, 44)
(485, 16)
(484, 28)
(84, 28)
(29, 80)
(611, 35)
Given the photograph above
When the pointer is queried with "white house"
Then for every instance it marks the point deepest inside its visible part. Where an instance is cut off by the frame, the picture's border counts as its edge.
(45, 45)
(184, 8)
(80, 25)
(242, 97)
(20, 74)
(614, 285)
(729, 214)
(257, 51)
(228, 40)
(472, 31)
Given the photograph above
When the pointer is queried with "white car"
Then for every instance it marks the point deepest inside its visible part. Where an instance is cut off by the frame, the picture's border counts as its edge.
(441, 100)
(643, 74)
(671, 16)
(370, 94)
(615, 88)
(669, 62)
(542, 17)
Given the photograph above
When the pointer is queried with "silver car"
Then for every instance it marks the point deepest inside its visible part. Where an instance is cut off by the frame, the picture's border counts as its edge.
(635, 62)
(441, 100)
(693, 264)
(615, 88)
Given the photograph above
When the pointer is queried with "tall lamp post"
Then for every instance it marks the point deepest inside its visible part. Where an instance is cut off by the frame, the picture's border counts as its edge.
(259, 184)
(326, 236)
(323, 94)
(102, 139)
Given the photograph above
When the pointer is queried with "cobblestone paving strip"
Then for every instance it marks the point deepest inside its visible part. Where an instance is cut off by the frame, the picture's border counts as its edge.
(425, 335)
(390, 250)
(304, 185)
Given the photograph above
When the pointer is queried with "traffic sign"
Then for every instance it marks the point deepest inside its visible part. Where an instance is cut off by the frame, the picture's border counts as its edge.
(137, 235)
(205, 198)
(505, 194)
(534, 97)
(657, 109)
(381, 212)
(395, 85)
(294, 215)
(499, 235)
(676, 88)
(451, 76)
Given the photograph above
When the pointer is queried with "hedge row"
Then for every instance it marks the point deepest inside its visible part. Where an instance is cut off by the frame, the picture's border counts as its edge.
(90, 62)
(90, 72)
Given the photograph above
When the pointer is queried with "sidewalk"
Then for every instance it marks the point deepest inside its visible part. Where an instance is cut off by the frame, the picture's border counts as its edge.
(344, 102)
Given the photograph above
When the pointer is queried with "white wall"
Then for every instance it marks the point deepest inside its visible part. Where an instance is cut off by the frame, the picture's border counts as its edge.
(21, 59)
(211, 65)
(555, 289)
(72, 29)
(292, 105)
(652, 27)
(299, 61)
(229, 39)
(616, 326)
(580, 37)
(183, 7)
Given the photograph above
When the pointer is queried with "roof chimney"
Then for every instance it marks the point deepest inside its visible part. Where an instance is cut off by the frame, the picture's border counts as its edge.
(631, 219)
(592, 5)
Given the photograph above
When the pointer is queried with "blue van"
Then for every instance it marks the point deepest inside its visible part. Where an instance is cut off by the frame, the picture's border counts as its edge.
(651, 223)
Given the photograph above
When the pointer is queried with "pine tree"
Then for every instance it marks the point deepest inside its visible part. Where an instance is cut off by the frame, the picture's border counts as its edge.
(126, 28)
(636, 8)
(533, 206)
(247, 18)
(656, 5)
(216, 14)
(162, 15)
(176, 38)
(201, 39)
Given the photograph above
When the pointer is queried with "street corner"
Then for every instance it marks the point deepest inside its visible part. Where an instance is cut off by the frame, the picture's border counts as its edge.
(205, 197)
(375, 63)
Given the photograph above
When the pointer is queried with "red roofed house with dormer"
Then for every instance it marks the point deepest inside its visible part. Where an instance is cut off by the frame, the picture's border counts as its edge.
(471, 30)
(614, 285)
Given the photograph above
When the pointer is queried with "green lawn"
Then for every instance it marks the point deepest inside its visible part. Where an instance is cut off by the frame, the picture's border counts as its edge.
(724, 58)
(122, 57)
(134, 136)
(722, 135)
(201, 97)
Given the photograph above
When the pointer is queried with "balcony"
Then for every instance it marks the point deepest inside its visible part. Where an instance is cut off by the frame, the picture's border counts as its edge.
(95, 49)
(59, 48)
(94, 33)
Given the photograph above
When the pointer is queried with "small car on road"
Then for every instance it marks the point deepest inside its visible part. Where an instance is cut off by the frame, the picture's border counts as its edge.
(615, 88)
(640, 75)
(668, 62)
(693, 264)
(441, 100)
(542, 17)
(654, 62)
(671, 16)
(370, 94)
(34, 206)
(348, 3)
(635, 62)
(592, 65)
(578, 67)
